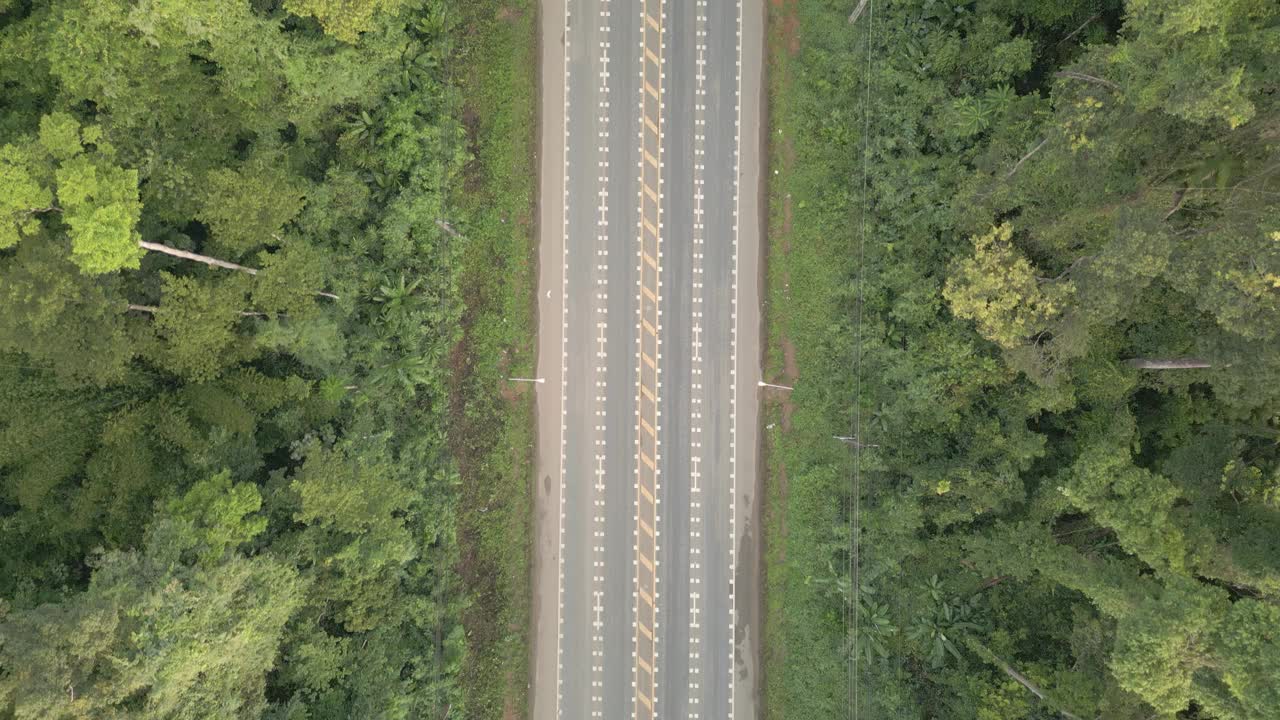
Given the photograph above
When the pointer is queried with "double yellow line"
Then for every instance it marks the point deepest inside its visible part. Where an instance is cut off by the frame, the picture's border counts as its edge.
(647, 401)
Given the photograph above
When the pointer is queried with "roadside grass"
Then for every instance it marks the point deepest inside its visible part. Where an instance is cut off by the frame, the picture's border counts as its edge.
(774, 647)
(810, 258)
(491, 428)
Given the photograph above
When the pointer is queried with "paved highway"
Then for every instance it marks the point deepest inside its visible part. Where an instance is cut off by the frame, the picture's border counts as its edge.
(647, 557)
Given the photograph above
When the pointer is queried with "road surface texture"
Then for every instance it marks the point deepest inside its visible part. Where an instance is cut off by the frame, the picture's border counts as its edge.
(647, 557)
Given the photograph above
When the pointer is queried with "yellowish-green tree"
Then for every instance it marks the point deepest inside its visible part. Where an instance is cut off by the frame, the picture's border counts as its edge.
(998, 289)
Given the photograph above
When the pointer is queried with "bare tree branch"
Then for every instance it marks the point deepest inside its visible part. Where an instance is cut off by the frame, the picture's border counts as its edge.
(1178, 197)
(1074, 264)
(448, 228)
(1230, 189)
(1024, 158)
(215, 262)
(853, 441)
(857, 12)
(212, 261)
(1072, 75)
(1077, 31)
(1024, 682)
(1010, 174)
(986, 653)
(152, 309)
(1170, 363)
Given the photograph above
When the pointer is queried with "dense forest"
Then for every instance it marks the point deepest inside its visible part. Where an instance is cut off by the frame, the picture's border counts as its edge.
(1030, 253)
(234, 249)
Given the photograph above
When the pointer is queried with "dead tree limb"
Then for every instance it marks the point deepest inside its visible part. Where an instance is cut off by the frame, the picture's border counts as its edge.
(185, 255)
(1024, 682)
(1170, 363)
(152, 310)
(211, 261)
(1067, 271)
(448, 228)
(985, 652)
(1072, 75)
(1078, 30)
(1178, 198)
(1024, 158)
(857, 12)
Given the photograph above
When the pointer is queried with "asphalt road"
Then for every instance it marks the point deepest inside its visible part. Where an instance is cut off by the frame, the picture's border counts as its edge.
(647, 562)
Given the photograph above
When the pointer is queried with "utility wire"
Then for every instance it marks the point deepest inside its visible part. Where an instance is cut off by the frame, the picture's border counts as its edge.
(855, 520)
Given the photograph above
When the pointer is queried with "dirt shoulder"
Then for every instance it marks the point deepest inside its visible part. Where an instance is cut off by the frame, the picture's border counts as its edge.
(782, 44)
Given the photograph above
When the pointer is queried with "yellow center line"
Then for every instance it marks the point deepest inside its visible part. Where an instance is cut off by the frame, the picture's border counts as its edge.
(647, 394)
(647, 428)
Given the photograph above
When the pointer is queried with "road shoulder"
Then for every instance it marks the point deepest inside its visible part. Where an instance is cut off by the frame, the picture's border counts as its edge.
(550, 235)
(751, 217)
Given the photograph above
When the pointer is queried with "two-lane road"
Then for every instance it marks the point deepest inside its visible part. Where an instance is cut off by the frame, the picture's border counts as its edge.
(647, 561)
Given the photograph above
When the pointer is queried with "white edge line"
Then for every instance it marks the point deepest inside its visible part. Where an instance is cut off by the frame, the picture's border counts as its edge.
(733, 400)
(657, 391)
(564, 319)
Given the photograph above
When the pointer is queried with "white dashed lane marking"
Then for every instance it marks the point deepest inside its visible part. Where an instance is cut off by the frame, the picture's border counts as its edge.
(601, 311)
(733, 373)
(705, 351)
(696, 397)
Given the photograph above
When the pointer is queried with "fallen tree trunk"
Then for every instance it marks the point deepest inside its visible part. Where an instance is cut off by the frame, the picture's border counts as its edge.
(211, 261)
(985, 652)
(1169, 364)
(153, 309)
(1071, 75)
(185, 255)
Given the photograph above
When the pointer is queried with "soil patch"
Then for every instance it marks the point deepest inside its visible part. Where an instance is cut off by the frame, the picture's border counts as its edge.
(790, 372)
(786, 211)
(511, 393)
(783, 43)
(790, 25)
(783, 491)
(472, 171)
(775, 648)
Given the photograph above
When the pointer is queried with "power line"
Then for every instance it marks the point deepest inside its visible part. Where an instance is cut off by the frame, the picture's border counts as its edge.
(855, 527)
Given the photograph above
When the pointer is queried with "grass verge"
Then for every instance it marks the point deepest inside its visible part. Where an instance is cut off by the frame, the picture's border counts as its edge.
(491, 420)
(804, 668)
